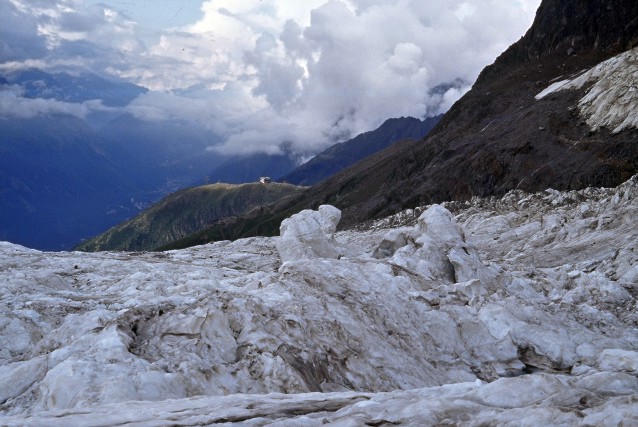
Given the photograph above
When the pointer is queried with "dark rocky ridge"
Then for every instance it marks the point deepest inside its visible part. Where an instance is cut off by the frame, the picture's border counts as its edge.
(342, 155)
(572, 27)
(567, 28)
(498, 137)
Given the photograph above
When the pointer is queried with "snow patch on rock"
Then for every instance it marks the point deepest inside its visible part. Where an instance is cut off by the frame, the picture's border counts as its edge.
(552, 88)
(612, 100)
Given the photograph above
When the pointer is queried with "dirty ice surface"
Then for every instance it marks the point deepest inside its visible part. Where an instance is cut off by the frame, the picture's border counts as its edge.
(612, 99)
(515, 310)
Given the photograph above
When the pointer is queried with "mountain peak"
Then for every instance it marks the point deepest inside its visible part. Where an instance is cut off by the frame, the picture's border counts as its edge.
(572, 26)
(567, 28)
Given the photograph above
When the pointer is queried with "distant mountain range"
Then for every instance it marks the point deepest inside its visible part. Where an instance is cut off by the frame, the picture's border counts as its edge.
(55, 184)
(342, 155)
(160, 157)
(136, 234)
(65, 177)
(514, 130)
(502, 135)
(65, 87)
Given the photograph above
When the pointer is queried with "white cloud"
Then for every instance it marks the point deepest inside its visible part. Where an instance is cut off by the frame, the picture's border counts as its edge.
(12, 104)
(327, 70)
(66, 33)
(263, 73)
(19, 39)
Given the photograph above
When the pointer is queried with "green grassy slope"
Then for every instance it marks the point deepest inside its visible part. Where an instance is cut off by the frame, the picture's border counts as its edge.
(186, 212)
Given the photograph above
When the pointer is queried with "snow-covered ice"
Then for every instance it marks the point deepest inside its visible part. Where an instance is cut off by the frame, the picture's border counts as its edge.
(612, 99)
(556, 86)
(514, 310)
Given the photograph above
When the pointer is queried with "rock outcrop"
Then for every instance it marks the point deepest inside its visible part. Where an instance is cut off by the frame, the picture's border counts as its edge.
(576, 26)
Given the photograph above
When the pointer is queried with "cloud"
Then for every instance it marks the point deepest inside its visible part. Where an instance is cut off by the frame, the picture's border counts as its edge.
(12, 104)
(59, 33)
(19, 39)
(353, 64)
(328, 70)
(267, 74)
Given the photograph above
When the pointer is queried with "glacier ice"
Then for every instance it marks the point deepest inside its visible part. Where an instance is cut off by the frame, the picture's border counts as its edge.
(517, 309)
(612, 99)
(310, 234)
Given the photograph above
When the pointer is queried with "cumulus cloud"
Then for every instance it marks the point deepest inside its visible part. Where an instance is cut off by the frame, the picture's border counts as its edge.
(278, 75)
(19, 39)
(12, 104)
(332, 69)
(64, 33)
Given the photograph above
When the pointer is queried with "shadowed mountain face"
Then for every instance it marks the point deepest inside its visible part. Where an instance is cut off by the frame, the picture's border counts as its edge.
(575, 26)
(340, 156)
(62, 181)
(499, 137)
(160, 157)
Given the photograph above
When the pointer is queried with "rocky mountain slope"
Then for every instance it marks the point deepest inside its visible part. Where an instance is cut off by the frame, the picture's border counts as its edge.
(499, 136)
(186, 212)
(518, 310)
(502, 135)
(342, 155)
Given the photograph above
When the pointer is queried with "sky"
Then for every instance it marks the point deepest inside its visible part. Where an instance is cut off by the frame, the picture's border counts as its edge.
(267, 75)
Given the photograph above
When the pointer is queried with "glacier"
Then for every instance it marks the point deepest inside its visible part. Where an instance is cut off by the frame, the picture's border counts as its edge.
(520, 309)
(611, 100)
